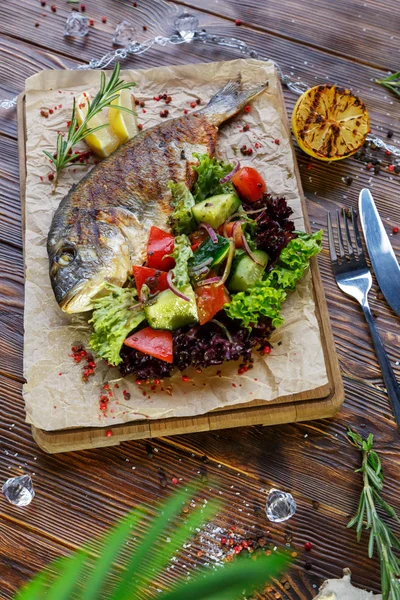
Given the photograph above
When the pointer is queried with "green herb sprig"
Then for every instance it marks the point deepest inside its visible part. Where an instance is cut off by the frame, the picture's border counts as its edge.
(107, 93)
(381, 537)
(392, 82)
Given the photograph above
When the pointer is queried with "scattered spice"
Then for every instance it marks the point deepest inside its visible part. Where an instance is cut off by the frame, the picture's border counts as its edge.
(53, 8)
(135, 4)
(247, 108)
(42, 3)
(277, 142)
(140, 127)
(238, 22)
(193, 104)
(91, 22)
(308, 546)
(109, 433)
(144, 27)
(50, 176)
(246, 127)
(395, 230)
(44, 113)
(174, 480)
(104, 19)
(36, 24)
(83, 8)
(164, 113)
(79, 354)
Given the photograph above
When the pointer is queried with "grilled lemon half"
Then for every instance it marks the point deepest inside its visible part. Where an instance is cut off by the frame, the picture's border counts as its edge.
(329, 122)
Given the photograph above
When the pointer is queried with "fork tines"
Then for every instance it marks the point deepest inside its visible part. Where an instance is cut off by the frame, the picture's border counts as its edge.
(348, 253)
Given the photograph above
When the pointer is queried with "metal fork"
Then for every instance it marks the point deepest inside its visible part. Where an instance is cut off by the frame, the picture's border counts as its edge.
(354, 278)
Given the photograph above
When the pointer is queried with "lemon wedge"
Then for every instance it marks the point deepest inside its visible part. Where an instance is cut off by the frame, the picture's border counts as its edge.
(330, 123)
(104, 141)
(124, 124)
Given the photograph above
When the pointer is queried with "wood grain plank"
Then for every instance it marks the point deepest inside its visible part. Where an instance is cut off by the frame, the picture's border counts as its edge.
(366, 31)
(18, 62)
(11, 310)
(92, 488)
(10, 211)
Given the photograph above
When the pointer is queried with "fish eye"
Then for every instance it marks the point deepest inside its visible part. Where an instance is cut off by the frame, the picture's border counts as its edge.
(65, 256)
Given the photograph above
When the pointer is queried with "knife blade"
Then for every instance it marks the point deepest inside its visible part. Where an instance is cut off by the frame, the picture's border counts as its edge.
(383, 259)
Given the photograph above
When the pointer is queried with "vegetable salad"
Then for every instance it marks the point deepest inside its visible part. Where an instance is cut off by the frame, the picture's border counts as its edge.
(213, 287)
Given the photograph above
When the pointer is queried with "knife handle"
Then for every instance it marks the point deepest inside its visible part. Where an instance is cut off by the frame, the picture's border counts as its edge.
(391, 383)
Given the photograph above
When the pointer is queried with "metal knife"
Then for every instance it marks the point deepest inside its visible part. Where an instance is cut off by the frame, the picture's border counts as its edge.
(383, 259)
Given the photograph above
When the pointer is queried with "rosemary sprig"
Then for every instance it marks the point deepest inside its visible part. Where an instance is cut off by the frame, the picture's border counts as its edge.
(107, 93)
(392, 82)
(381, 537)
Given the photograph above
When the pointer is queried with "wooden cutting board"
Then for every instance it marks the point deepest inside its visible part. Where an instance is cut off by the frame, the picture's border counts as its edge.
(318, 403)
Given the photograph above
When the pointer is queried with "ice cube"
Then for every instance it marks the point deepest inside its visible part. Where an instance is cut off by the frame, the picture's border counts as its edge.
(124, 34)
(19, 490)
(76, 25)
(186, 25)
(280, 506)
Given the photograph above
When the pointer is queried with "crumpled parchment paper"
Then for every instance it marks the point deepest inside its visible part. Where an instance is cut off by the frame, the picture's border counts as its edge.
(55, 395)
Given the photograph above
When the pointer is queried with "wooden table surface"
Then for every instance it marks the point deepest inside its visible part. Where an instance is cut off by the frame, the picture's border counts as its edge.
(79, 494)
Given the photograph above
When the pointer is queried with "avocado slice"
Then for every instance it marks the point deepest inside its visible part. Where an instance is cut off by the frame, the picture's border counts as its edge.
(171, 312)
(216, 210)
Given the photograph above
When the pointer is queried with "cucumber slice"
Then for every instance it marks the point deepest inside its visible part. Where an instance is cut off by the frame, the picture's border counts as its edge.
(218, 252)
(216, 210)
(246, 272)
(171, 312)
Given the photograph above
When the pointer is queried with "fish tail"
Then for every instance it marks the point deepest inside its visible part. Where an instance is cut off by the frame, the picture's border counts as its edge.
(228, 101)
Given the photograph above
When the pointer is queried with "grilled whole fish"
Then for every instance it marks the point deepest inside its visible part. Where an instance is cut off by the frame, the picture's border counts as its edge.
(100, 227)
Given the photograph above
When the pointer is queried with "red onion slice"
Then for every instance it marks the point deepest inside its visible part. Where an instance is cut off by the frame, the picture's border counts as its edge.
(253, 212)
(249, 252)
(224, 329)
(231, 174)
(174, 289)
(202, 271)
(135, 306)
(208, 281)
(228, 265)
(210, 231)
(200, 266)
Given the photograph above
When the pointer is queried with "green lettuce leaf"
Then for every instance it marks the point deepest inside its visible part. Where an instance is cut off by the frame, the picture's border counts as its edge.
(182, 252)
(210, 171)
(260, 300)
(266, 297)
(182, 219)
(113, 319)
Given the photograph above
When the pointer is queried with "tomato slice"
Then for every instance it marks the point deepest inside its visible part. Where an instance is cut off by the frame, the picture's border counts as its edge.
(249, 184)
(160, 244)
(210, 300)
(153, 342)
(229, 229)
(156, 280)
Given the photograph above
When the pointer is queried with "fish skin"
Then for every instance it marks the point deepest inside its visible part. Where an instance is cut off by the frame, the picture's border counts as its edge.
(100, 227)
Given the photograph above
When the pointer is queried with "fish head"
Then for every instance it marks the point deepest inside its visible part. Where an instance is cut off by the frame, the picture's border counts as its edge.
(83, 257)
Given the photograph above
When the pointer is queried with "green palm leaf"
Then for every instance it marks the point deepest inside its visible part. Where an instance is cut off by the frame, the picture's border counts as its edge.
(99, 575)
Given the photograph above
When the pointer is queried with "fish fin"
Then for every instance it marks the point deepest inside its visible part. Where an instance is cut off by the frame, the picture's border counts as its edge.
(228, 101)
